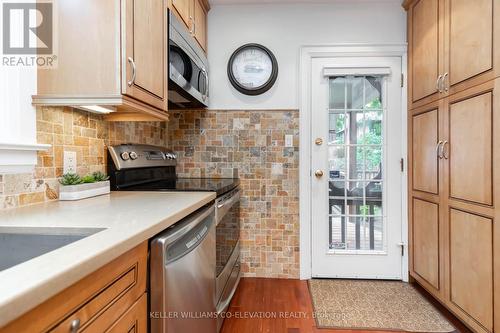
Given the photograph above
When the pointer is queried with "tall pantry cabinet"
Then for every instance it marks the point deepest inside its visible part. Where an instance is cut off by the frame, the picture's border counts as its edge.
(454, 155)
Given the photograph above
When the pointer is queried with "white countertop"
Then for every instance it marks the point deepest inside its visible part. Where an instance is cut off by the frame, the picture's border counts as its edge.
(129, 218)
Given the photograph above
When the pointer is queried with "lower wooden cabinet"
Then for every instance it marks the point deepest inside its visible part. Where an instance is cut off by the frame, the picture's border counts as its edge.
(109, 300)
(135, 320)
(471, 266)
(454, 240)
(426, 241)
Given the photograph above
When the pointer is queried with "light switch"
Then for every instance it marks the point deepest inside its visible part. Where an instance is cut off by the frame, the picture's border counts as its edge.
(288, 140)
(69, 165)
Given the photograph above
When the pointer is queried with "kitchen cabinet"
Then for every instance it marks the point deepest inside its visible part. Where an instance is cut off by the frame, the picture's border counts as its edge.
(112, 299)
(425, 136)
(455, 202)
(200, 23)
(118, 61)
(453, 45)
(184, 9)
(194, 15)
(426, 53)
(144, 45)
(426, 261)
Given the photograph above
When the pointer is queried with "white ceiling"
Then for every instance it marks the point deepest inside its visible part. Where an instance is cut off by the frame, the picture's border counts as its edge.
(246, 2)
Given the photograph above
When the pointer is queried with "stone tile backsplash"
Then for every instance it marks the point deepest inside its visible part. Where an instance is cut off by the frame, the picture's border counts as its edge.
(68, 129)
(211, 143)
(249, 145)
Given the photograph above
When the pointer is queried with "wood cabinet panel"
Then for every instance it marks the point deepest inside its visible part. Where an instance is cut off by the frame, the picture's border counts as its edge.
(425, 136)
(200, 24)
(426, 241)
(104, 294)
(470, 39)
(145, 42)
(471, 266)
(424, 28)
(135, 320)
(183, 8)
(470, 150)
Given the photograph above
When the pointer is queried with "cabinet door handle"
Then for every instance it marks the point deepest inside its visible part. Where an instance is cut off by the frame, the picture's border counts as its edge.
(445, 154)
(134, 73)
(75, 326)
(191, 28)
(438, 83)
(445, 82)
(439, 150)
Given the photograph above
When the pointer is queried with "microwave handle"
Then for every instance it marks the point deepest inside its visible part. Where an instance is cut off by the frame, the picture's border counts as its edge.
(207, 84)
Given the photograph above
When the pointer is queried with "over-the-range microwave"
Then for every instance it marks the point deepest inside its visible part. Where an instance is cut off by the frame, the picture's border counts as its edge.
(188, 84)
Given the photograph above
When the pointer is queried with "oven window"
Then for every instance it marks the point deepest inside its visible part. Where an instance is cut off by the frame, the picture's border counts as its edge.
(228, 234)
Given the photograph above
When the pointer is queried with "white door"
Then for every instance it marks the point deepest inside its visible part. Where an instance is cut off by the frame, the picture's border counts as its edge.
(356, 176)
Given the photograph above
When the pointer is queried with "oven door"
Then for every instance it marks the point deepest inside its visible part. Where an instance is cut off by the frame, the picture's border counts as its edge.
(187, 70)
(227, 236)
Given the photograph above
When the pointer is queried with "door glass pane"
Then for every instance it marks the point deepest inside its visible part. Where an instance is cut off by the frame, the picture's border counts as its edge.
(356, 163)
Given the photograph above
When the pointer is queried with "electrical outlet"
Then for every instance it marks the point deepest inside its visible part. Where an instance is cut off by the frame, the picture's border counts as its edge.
(69, 165)
(288, 140)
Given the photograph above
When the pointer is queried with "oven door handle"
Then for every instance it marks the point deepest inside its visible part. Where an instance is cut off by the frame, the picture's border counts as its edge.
(230, 201)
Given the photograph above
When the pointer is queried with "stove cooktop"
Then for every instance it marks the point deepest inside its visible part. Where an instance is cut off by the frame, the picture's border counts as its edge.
(218, 185)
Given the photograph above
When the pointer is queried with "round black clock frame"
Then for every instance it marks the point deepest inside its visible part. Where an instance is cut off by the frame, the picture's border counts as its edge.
(257, 90)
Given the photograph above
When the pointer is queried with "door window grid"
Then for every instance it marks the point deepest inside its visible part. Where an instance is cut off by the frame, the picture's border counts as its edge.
(355, 212)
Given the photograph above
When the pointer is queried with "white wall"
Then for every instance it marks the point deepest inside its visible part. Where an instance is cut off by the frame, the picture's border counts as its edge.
(284, 29)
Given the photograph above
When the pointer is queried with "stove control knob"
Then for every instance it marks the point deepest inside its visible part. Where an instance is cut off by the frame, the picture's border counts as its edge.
(125, 156)
(133, 155)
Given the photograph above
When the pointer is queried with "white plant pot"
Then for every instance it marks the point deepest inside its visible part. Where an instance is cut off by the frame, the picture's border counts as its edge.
(83, 191)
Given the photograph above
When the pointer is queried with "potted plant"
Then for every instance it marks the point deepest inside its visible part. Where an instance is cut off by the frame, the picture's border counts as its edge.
(74, 187)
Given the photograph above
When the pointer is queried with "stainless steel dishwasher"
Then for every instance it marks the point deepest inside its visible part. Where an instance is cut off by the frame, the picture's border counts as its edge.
(182, 276)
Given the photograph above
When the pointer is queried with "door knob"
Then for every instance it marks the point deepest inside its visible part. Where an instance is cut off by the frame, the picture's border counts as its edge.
(318, 173)
(318, 141)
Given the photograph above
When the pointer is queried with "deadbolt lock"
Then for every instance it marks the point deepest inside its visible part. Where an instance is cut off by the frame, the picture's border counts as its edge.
(319, 141)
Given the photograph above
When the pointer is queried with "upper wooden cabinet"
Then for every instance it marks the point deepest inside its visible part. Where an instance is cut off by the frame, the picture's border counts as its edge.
(184, 10)
(194, 14)
(200, 24)
(144, 44)
(424, 34)
(453, 45)
(111, 53)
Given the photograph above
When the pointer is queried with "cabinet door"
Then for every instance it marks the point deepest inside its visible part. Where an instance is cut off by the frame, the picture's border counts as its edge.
(425, 163)
(470, 148)
(426, 233)
(200, 24)
(470, 38)
(134, 320)
(471, 266)
(423, 33)
(144, 62)
(184, 9)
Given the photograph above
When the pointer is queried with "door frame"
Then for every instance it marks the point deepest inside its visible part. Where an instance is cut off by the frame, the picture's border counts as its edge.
(307, 54)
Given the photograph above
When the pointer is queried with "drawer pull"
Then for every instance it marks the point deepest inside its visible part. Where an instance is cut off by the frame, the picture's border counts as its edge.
(75, 326)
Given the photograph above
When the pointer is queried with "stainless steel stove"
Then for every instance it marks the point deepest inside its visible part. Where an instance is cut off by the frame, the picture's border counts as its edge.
(134, 167)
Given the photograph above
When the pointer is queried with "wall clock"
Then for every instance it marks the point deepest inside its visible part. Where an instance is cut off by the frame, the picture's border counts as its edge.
(252, 69)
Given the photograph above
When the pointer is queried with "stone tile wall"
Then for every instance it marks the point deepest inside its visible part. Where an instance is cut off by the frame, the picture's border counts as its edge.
(249, 145)
(70, 129)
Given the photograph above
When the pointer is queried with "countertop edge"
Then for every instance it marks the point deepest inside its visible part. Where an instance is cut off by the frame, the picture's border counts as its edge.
(14, 307)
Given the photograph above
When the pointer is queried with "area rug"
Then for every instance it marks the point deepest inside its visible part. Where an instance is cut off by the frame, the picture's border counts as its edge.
(374, 305)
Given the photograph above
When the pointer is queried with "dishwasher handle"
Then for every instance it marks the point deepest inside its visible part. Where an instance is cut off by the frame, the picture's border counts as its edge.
(185, 235)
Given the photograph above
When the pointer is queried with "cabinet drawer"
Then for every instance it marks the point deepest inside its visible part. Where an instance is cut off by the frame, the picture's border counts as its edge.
(135, 320)
(99, 298)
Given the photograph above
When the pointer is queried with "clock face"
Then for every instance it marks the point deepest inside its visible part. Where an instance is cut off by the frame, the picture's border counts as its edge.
(252, 69)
